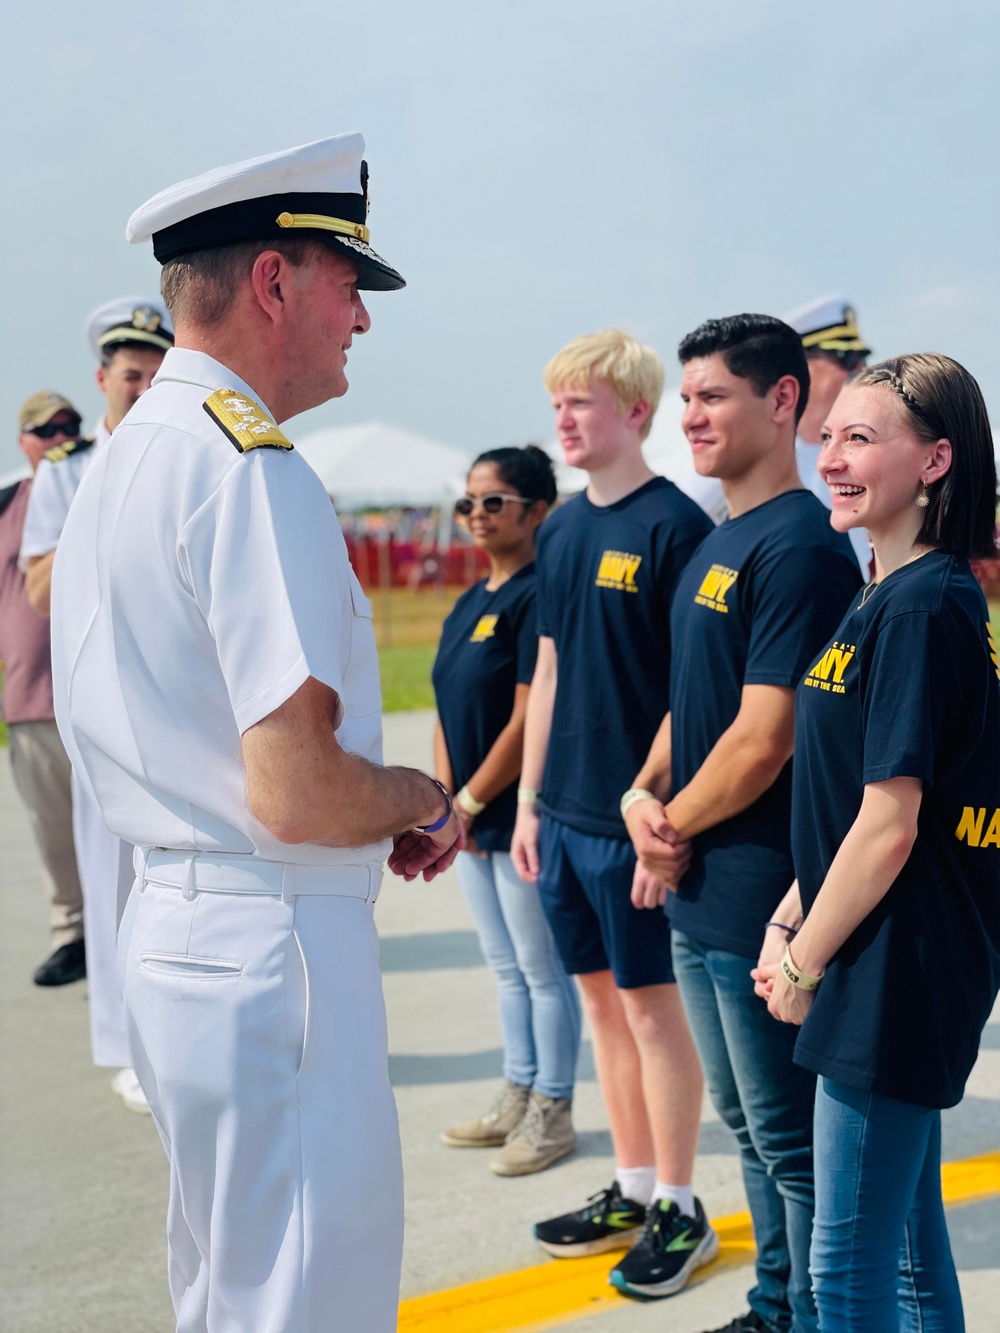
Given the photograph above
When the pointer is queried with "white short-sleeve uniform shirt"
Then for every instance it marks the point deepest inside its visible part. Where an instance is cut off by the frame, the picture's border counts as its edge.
(52, 493)
(195, 589)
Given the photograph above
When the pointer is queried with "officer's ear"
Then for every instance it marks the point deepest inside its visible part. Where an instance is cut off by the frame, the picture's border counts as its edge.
(101, 378)
(267, 278)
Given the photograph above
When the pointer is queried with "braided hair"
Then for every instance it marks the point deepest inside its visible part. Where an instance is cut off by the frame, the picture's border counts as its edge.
(942, 401)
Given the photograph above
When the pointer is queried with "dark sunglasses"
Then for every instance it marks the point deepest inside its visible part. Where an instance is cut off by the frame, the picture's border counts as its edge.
(53, 428)
(492, 504)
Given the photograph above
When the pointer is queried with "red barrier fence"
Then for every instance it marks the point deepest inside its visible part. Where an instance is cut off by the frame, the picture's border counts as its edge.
(384, 564)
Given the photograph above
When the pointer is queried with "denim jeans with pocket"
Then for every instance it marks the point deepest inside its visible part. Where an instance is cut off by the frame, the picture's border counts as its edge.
(881, 1258)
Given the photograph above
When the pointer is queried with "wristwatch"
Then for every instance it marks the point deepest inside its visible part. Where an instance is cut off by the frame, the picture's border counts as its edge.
(438, 823)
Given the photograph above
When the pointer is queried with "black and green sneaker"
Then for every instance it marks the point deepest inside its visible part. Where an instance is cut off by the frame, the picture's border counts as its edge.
(671, 1247)
(607, 1222)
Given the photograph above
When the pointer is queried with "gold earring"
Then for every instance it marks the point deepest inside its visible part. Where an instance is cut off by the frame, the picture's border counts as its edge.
(923, 499)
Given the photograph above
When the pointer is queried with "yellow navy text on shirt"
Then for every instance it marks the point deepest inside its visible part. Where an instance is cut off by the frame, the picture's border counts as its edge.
(828, 673)
(714, 587)
(485, 629)
(618, 570)
(971, 825)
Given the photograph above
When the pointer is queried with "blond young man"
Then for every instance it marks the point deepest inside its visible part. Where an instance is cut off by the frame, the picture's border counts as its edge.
(607, 565)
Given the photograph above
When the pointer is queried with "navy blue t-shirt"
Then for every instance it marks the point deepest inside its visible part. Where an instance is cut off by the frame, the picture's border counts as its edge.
(906, 688)
(488, 646)
(606, 578)
(763, 592)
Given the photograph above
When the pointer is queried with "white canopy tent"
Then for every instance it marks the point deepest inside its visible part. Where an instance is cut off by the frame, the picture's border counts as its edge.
(378, 465)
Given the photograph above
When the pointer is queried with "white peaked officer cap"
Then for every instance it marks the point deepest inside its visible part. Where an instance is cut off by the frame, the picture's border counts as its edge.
(318, 190)
(129, 319)
(828, 324)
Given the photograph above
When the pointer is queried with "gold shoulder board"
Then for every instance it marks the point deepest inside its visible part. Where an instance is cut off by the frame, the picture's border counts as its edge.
(244, 421)
(62, 451)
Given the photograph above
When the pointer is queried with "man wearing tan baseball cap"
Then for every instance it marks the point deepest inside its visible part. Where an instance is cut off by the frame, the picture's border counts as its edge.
(41, 768)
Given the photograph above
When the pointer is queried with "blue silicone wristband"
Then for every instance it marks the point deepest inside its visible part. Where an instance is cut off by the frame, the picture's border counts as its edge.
(438, 824)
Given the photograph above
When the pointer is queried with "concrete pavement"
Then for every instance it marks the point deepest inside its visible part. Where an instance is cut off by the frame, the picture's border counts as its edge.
(84, 1182)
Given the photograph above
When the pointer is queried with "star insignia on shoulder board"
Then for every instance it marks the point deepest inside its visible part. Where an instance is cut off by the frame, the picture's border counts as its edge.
(244, 422)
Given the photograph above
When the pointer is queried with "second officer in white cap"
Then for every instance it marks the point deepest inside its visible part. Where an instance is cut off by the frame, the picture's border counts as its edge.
(216, 678)
(834, 350)
(128, 337)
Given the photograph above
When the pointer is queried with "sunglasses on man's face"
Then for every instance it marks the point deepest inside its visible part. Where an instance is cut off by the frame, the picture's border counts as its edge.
(53, 428)
(492, 504)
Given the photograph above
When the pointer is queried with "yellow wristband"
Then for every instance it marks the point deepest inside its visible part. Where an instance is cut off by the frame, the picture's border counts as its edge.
(632, 797)
(527, 796)
(468, 804)
(798, 979)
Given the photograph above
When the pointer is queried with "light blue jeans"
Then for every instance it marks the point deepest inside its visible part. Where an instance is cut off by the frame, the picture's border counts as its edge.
(881, 1259)
(539, 1007)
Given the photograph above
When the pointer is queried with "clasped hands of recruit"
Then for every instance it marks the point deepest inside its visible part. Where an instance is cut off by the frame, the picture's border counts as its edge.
(662, 854)
(663, 857)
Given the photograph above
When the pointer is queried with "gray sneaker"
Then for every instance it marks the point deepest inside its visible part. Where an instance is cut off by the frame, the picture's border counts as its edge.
(491, 1129)
(543, 1136)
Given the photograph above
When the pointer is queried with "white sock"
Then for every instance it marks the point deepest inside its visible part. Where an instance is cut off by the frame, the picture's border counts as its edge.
(636, 1182)
(681, 1195)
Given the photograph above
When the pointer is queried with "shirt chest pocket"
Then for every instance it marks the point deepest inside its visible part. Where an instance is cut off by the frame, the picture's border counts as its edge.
(362, 693)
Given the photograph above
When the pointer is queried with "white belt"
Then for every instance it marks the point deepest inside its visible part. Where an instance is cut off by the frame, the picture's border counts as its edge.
(230, 872)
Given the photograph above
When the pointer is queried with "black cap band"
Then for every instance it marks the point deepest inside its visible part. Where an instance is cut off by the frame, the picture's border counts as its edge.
(254, 220)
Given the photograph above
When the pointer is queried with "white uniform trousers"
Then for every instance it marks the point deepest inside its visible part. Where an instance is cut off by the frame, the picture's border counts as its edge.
(106, 874)
(258, 1033)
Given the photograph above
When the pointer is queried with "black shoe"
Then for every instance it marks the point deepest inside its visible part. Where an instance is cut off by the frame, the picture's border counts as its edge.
(750, 1322)
(67, 964)
(607, 1222)
(671, 1247)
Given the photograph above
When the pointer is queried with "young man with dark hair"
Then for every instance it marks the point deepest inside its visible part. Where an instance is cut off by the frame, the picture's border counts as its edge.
(762, 594)
(607, 565)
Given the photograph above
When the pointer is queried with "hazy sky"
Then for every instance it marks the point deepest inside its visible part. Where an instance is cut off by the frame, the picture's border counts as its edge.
(539, 169)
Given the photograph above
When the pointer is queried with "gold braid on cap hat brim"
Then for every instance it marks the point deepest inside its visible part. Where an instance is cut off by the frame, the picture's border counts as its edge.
(320, 222)
(839, 338)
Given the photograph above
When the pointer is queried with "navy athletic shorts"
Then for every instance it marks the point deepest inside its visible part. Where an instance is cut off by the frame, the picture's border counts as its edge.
(585, 884)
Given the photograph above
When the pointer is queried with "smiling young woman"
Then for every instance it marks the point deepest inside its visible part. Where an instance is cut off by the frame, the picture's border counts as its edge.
(896, 842)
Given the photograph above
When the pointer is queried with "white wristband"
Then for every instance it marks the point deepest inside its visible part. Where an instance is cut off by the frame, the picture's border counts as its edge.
(468, 804)
(527, 796)
(632, 797)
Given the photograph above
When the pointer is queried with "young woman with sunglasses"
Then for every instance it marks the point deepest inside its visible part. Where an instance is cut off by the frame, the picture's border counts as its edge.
(893, 972)
(481, 677)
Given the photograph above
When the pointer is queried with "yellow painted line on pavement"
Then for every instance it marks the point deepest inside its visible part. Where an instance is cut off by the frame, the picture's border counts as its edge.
(547, 1295)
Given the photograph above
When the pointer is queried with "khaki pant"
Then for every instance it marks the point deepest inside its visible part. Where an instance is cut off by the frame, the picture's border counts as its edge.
(42, 776)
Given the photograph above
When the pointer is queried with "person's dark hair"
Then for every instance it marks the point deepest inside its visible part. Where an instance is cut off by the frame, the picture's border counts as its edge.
(108, 353)
(528, 470)
(758, 348)
(940, 400)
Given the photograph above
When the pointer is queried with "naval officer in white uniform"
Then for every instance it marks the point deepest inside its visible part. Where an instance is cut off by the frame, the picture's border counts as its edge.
(834, 350)
(128, 337)
(216, 678)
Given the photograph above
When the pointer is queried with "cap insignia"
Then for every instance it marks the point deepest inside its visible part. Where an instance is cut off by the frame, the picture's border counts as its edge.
(145, 318)
(245, 423)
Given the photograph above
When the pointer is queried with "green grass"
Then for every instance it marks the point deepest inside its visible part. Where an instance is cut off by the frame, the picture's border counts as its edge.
(406, 677)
